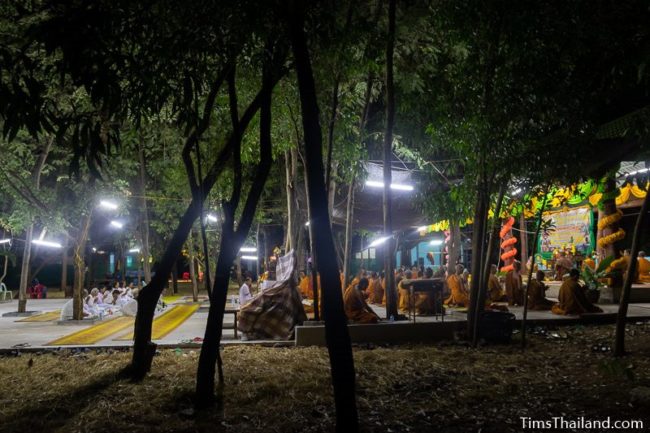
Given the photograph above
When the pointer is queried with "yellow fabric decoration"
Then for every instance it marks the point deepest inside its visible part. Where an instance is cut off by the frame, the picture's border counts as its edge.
(610, 220)
(610, 239)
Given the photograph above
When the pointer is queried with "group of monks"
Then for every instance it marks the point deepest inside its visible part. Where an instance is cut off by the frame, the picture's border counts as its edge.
(370, 288)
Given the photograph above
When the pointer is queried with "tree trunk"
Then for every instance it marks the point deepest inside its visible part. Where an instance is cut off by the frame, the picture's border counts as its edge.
(478, 247)
(331, 190)
(530, 271)
(640, 230)
(312, 252)
(144, 228)
(195, 283)
(336, 330)
(231, 242)
(349, 222)
(24, 270)
(494, 234)
(291, 175)
(80, 267)
(523, 239)
(64, 269)
(389, 257)
(174, 275)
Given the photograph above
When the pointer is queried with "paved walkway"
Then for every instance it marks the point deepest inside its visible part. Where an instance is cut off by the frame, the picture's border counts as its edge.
(20, 334)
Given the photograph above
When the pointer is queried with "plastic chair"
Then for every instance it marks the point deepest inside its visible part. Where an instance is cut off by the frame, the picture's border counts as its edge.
(4, 292)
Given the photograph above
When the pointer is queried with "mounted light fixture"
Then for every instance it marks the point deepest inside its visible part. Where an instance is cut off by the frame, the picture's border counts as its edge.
(249, 257)
(436, 242)
(47, 243)
(395, 186)
(5, 241)
(117, 224)
(248, 249)
(106, 204)
(210, 217)
(378, 241)
(134, 250)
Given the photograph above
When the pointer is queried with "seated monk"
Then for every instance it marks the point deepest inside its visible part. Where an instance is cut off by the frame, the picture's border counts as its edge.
(495, 291)
(514, 286)
(305, 287)
(459, 295)
(562, 266)
(424, 302)
(572, 297)
(643, 269)
(355, 305)
(404, 293)
(536, 299)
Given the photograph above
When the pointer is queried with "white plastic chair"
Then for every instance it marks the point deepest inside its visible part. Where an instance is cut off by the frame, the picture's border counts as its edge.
(4, 292)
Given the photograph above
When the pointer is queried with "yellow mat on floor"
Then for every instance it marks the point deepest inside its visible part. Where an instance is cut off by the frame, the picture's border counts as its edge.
(96, 332)
(167, 322)
(44, 317)
(171, 298)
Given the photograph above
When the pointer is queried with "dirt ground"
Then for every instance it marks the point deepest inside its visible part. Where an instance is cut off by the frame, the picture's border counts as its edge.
(444, 388)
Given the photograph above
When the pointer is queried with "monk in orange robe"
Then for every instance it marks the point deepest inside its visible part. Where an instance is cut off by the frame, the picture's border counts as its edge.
(643, 269)
(459, 295)
(572, 297)
(536, 297)
(495, 291)
(424, 302)
(305, 287)
(355, 305)
(375, 290)
(514, 285)
(404, 293)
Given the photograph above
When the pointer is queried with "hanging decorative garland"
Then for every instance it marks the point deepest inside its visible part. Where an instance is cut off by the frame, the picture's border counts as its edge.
(610, 220)
(507, 245)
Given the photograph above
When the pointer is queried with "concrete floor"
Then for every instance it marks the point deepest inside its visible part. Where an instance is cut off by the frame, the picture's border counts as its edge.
(15, 334)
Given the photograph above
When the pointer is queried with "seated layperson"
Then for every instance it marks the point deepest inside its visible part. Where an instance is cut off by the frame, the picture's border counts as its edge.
(245, 291)
(514, 285)
(495, 291)
(355, 305)
(459, 295)
(572, 297)
(536, 297)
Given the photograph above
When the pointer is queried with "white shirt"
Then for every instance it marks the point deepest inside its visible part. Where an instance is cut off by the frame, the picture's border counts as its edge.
(244, 294)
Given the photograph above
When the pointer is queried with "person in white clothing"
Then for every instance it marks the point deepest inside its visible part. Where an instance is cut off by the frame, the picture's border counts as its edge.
(245, 291)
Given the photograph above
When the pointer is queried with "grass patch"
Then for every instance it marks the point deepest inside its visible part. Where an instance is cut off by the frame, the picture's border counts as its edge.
(447, 387)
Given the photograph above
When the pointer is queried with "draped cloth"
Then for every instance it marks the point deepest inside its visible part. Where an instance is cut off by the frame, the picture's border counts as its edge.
(274, 312)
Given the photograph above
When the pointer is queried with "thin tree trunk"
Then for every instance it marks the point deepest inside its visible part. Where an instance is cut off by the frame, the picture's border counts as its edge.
(478, 246)
(312, 252)
(523, 238)
(336, 330)
(640, 230)
(24, 270)
(5, 267)
(195, 283)
(291, 215)
(530, 271)
(145, 216)
(389, 257)
(349, 223)
(231, 242)
(80, 267)
(486, 267)
(64, 269)
(331, 190)
(174, 275)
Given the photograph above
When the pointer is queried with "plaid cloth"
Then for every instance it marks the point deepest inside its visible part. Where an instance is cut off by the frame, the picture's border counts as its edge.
(274, 312)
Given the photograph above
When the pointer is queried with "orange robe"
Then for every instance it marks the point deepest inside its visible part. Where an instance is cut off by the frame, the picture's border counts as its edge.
(495, 291)
(305, 288)
(590, 263)
(459, 295)
(643, 270)
(573, 300)
(356, 308)
(536, 299)
(404, 296)
(514, 289)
